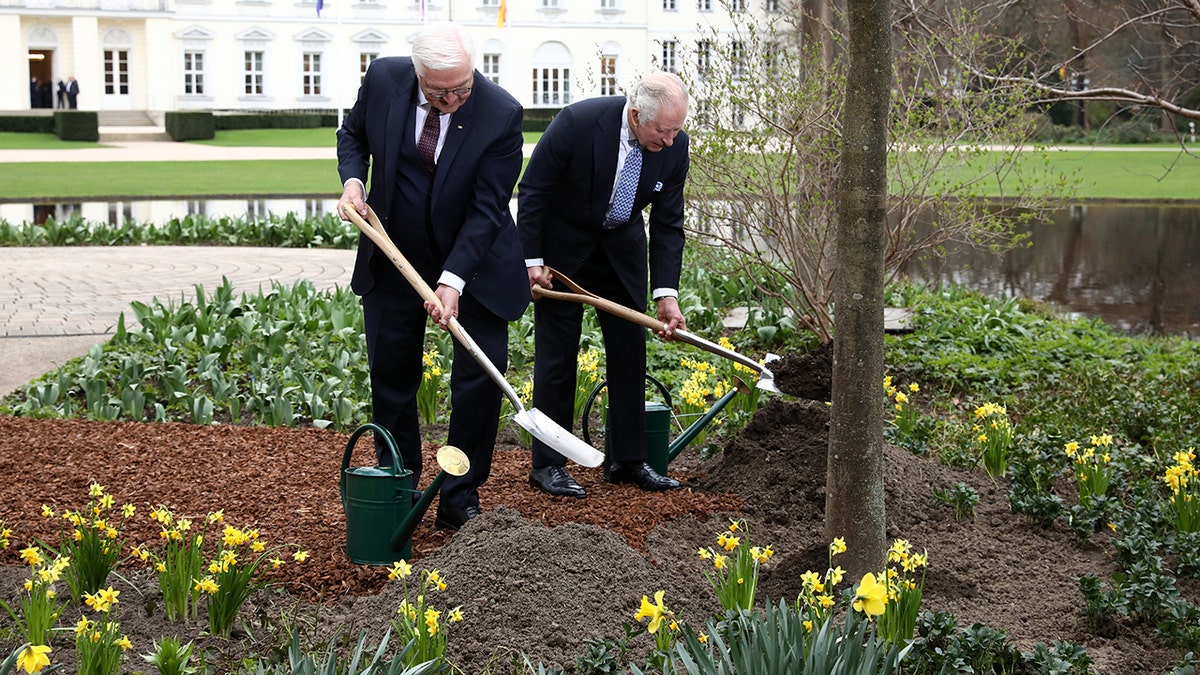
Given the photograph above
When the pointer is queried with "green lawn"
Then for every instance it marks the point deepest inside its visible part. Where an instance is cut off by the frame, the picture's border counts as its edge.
(158, 179)
(16, 140)
(1137, 173)
(279, 138)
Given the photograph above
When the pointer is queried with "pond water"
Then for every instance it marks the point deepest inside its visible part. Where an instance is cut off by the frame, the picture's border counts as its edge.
(1137, 267)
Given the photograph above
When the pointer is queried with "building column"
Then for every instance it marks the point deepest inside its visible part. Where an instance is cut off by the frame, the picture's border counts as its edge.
(14, 82)
(88, 63)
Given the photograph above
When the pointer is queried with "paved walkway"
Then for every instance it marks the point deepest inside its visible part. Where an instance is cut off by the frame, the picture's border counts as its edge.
(56, 302)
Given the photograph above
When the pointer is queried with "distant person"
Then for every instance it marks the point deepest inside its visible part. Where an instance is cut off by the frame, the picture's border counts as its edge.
(34, 96)
(72, 93)
(62, 95)
(46, 92)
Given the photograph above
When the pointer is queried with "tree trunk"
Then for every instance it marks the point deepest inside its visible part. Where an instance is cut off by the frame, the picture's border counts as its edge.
(854, 507)
(819, 21)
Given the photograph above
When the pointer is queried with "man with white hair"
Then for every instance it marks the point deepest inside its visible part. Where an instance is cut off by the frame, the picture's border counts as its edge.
(601, 162)
(443, 145)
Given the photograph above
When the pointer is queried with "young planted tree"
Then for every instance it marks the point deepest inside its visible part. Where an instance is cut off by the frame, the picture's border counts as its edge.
(854, 508)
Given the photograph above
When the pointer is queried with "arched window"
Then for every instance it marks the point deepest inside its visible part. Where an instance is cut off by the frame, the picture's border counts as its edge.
(551, 75)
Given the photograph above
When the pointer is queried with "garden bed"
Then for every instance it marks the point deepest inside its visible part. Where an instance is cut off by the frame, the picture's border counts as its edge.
(536, 574)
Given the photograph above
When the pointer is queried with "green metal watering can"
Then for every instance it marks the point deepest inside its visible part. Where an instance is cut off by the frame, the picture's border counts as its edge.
(381, 512)
(660, 452)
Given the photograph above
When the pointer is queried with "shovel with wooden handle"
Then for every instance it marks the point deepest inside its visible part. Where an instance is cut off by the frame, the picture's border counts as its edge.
(766, 379)
(537, 423)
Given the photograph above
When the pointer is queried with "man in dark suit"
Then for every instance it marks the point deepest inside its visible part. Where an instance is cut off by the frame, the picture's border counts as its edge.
(444, 149)
(574, 216)
(72, 93)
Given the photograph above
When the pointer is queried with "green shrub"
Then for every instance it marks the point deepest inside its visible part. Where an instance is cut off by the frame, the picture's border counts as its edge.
(273, 120)
(190, 125)
(77, 125)
(37, 124)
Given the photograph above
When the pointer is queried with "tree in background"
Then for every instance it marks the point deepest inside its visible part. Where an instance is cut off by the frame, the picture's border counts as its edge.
(766, 158)
(1093, 61)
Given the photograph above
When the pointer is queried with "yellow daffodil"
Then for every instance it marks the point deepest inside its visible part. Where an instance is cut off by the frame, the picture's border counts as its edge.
(655, 611)
(32, 659)
(431, 620)
(870, 597)
(808, 626)
(733, 526)
(838, 545)
(96, 490)
(31, 556)
(704, 553)
(720, 561)
(731, 543)
(914, 387)
(123, 642)
(400, 569)
(300, 556)
(703, 638)
(836, 574)
(276, 562)
(128, 510)
(82, 625)
(456, 615)
(47, 512)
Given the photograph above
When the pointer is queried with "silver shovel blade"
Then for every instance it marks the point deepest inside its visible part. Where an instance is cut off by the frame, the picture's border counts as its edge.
(552, 434)
(766, 379)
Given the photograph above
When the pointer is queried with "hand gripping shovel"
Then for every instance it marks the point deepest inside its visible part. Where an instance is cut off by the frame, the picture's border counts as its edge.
(766, 379)
(532, 420)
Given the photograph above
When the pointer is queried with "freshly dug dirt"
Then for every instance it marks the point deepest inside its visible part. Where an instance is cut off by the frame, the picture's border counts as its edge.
(537, 575)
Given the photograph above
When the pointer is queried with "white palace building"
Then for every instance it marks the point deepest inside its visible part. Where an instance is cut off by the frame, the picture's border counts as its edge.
(163, 55)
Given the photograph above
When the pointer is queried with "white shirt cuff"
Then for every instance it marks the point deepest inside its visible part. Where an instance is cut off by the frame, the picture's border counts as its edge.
(356, 180)
(534, 262)
(660, 293)
(452, 280)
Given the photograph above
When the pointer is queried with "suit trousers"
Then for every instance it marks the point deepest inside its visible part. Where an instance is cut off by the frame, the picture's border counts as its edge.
(395, 321)
(558, 325)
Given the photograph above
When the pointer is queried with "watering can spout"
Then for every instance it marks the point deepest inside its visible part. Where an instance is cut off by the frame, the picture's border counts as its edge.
(676, 446)
(453, 462)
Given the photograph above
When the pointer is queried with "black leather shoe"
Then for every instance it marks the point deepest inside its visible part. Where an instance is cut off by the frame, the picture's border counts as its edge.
(453, 517)
(556, 481)
(641, 475)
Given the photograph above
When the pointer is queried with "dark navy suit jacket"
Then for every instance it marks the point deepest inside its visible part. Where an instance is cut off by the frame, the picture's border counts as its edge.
(565, 191)
(480, 158)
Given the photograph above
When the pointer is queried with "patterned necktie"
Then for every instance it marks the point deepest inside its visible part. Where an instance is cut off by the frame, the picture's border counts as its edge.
(627, 185)
(427, 146)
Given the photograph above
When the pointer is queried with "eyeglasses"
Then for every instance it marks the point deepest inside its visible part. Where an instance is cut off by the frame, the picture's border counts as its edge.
(461, 92)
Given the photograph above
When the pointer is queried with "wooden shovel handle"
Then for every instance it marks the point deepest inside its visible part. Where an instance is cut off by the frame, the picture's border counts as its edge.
(579, 294)
(375, 232)
(600, 303)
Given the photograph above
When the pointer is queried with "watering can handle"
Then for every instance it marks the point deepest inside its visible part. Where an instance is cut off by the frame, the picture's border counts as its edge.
(388, 440)
(587, 407)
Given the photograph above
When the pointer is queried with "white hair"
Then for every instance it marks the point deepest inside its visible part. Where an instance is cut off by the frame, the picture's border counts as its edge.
(442, 46)
(651, 93)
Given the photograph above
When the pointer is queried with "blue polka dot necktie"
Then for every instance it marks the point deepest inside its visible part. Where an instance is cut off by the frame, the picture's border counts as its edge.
(627, 185)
